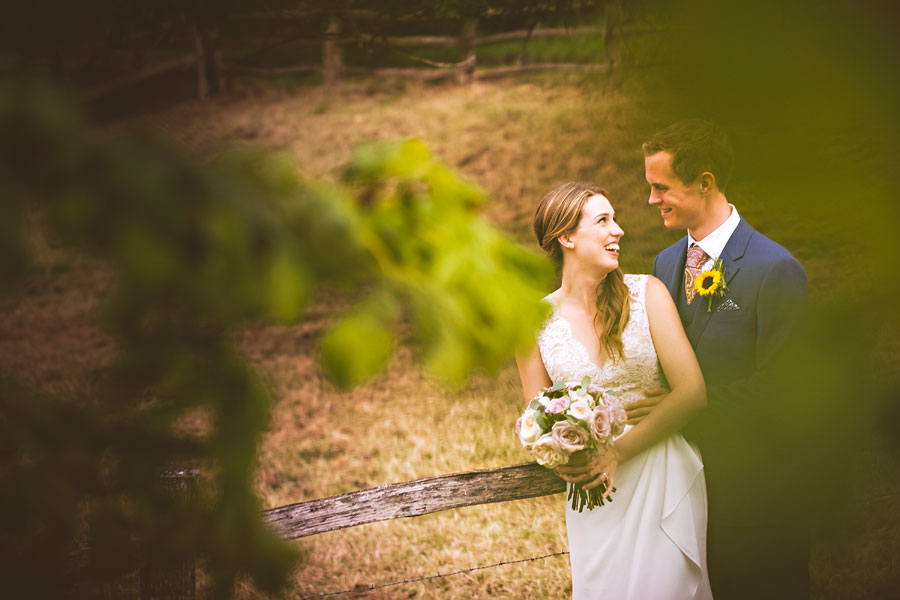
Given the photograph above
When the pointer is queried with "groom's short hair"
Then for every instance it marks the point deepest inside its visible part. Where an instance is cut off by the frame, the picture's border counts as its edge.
(696, 146)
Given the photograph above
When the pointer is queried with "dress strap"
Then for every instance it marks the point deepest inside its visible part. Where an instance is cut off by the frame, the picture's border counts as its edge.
(551, 301)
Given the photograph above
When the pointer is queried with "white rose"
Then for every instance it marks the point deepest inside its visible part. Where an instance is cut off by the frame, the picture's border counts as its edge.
(529, 430)
(580, 409)
(548, 453)
(544, 400)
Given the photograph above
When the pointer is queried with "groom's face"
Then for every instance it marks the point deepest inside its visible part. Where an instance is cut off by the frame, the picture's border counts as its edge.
(679, 203)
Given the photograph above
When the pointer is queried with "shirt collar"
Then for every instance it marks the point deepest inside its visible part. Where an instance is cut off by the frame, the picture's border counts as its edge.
(714, 243)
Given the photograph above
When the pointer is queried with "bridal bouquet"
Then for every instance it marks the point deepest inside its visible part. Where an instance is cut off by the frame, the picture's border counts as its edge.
(567, 418)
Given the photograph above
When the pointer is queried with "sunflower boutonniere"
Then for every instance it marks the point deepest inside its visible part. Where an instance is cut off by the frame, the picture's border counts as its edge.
(711, 283)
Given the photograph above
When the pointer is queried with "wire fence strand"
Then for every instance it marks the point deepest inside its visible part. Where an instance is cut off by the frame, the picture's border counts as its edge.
(359, 590)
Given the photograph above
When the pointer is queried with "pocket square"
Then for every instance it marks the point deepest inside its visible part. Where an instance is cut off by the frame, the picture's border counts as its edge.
(727, 305)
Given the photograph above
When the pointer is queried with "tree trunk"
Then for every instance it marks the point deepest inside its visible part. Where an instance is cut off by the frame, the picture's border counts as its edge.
(523, 53)
(467, 51)
(216, 62)
(210, 64)
(331, 54)
(612, 40)
(200, 50)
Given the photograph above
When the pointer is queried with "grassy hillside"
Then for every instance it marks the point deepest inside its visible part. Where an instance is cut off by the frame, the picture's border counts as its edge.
(517, 139)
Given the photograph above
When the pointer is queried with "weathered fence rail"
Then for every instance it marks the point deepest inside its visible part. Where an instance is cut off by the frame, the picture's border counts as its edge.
(182, 62)
(450, 41)
(413, 498)
(177, 581)
(332, 67)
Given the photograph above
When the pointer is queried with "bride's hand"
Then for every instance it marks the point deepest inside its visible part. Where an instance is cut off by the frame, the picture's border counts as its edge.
(590, 470)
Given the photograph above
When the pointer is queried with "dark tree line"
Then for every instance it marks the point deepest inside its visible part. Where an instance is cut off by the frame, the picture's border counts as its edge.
(87, 44)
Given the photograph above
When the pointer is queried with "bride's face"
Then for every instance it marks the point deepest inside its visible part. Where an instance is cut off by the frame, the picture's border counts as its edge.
(596, 239)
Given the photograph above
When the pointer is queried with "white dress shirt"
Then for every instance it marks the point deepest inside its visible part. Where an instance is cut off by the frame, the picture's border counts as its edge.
(714, 243)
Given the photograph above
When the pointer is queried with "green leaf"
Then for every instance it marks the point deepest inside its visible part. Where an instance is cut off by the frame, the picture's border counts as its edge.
(578, 422)
(286, 287)
(544, 420)
(389, 159)
(447, 187)
(148, 260)
(356, 348)
(449, 360)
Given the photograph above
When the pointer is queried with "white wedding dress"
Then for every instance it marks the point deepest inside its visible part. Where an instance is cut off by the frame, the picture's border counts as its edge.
(650, 542)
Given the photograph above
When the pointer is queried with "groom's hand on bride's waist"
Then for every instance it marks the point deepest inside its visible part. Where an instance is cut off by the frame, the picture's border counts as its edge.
(637, 410)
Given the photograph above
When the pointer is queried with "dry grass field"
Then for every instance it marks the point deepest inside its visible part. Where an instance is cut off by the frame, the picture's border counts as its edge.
(516, 139)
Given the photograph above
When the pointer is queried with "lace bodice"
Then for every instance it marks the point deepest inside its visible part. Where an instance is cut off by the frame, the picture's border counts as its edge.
(566, 358)
(658, 522)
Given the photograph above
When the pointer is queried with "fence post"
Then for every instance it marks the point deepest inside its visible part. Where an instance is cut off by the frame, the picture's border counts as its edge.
(467, 51)
(331, 53)
(172, 580)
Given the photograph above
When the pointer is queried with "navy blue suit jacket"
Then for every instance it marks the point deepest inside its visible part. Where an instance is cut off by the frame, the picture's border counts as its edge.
(737, 346)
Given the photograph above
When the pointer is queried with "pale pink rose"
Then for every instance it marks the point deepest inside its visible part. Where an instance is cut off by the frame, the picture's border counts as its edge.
(617, 418)
(558, 405)
(595, 390)
(601, 428)
(580, 409)
(570, 437)
(546, 452)
(528, 429)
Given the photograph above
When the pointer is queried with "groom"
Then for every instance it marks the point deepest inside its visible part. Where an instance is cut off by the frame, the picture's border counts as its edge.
(757, 546)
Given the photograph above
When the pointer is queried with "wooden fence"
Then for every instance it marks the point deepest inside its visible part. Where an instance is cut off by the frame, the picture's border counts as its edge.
(413, 498)
(212, 72)
(158, 580)
(465, 68)
(392, 501)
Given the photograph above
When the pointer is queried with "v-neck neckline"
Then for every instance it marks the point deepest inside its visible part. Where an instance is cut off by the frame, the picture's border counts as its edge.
(583, 351)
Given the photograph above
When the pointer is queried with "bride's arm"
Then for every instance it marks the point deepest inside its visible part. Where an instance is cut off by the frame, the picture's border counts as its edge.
(532, 372)
(688, 395)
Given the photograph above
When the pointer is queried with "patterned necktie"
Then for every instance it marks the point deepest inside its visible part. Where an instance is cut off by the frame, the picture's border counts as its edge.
(696, 257)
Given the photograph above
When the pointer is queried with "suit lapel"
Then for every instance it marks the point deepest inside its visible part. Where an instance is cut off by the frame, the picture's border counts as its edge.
(731, 255)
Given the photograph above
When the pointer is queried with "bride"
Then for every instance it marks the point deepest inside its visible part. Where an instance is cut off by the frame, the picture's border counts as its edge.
(620, 330)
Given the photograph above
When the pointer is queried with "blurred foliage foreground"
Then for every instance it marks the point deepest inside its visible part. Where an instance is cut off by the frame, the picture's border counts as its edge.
(198, 251)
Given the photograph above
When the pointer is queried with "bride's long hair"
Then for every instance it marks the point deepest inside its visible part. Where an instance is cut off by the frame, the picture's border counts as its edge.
(559, 213)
